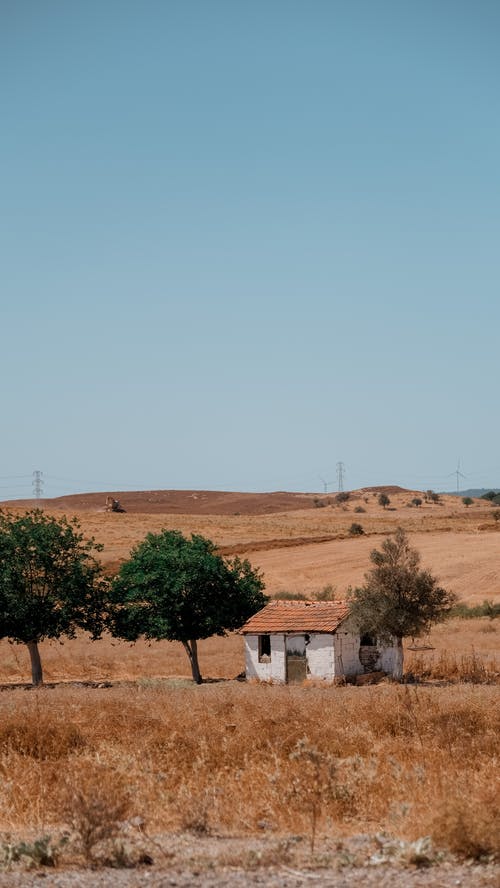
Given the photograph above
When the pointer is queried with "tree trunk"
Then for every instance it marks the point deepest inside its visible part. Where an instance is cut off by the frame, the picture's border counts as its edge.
(191, 648)
(36, 663)
(397, 670)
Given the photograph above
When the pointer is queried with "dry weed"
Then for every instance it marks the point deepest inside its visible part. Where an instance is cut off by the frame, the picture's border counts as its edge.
(43, 738)
(465, 667)
(467, 820)
(95, 811)
(231, 757)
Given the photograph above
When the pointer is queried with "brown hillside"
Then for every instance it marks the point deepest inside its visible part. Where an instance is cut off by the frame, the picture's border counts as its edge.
(302, 541)
(180, 502)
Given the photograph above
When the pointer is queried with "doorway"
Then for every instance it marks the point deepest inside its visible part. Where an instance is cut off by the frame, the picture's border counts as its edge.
(296, 663)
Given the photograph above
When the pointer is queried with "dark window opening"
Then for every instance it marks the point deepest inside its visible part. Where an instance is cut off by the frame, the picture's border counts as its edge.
(368, 640)
(264, 647)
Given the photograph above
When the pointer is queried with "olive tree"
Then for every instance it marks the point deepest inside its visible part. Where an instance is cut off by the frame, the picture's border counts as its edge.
(383, 500)
(50, 582)
(399, 598)
(182, 590)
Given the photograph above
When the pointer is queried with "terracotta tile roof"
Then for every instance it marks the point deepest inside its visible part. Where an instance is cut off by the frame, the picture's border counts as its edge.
(297, 616)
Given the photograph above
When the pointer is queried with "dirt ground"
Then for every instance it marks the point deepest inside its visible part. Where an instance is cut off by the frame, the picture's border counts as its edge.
(213, 863)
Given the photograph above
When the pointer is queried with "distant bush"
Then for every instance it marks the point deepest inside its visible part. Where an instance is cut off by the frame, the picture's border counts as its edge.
(431, 496)
(359, 509)
(342, 497)
(383, 500)
(490, 495)
(290, 596)
(320, 503)
(467, 501)
(417, 501)
(486, 609)
(356, 529)
(327, 593)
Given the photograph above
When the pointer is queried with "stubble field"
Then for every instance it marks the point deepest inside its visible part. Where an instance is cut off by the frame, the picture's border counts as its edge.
(232, 759)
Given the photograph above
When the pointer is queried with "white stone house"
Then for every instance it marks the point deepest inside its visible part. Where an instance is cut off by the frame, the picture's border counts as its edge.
(290, 641)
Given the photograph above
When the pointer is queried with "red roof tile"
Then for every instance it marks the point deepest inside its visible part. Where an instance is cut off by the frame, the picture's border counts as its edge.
(297, 616)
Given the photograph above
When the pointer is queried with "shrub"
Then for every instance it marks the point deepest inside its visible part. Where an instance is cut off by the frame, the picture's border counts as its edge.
(283, 595)
(41, 852)
(96, 813)
(469, 825)
(417, 501)
(486, 609)
(356, 529)
(327, 593)
(320, 503)
(342, 497)
(359, 509)
(490, 495)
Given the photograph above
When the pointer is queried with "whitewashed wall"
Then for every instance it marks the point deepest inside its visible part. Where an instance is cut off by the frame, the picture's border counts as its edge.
(328, 656)
(319, 653)
(319, 656)
(273, 671)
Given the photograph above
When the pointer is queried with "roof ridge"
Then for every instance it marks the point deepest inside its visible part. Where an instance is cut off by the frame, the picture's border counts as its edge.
(308, 616)
(302, 602)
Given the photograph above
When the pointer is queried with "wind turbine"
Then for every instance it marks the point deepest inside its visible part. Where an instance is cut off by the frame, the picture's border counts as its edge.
(325, 483)
(458, 474)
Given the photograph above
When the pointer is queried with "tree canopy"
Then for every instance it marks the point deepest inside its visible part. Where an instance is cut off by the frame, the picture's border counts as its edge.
(399, 598)
(182, 590)
(50, 582)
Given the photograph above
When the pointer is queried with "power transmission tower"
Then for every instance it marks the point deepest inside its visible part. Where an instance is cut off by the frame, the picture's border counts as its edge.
(340, 476)
(37, 484)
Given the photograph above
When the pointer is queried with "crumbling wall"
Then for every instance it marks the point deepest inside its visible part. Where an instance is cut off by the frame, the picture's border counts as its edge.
(319, 653)
(268, 669)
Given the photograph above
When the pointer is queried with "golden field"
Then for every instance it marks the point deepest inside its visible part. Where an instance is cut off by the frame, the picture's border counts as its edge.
(460, 545)
(236, 759)
(228, 757)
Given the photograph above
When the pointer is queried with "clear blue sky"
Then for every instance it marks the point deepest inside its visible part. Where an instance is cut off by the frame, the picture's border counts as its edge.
(244, 239)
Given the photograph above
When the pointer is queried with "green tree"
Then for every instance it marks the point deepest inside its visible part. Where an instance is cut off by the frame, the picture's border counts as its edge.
(50, 583)
(182, 590)
(383, 500)
(399, 599)
(467, 501)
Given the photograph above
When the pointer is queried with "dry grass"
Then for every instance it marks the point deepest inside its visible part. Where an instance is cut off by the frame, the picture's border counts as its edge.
(455, 641)
(228, 757)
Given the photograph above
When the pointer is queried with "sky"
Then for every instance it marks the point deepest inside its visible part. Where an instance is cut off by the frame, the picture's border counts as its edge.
(244, 240)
